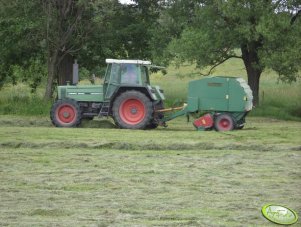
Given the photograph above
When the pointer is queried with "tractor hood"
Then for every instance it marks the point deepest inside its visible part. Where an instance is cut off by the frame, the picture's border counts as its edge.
(88, 93)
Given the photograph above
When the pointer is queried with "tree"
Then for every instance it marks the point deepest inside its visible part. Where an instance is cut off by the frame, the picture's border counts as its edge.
(67, 25)
(20, 36)
(262, 30)
(92, 31)
(120, 31)
(52, 33)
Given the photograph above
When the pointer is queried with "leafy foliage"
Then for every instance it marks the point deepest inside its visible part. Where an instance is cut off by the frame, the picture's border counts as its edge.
(21, 42)
(261, 29)
(204, 32)
(46, 31)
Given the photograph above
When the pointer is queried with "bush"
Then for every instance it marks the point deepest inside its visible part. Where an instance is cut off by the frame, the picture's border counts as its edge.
(18, 100)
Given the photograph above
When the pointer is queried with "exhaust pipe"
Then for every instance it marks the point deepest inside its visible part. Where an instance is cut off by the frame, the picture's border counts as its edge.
(75, 73)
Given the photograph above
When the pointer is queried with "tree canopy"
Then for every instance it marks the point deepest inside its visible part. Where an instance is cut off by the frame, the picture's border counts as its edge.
(42, 38)
(18, 23)
(55, 32)
(261, 30)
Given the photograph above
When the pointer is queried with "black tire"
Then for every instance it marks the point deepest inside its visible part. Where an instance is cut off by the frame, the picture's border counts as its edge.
(65, 113)
(132, 110)
(224, 122)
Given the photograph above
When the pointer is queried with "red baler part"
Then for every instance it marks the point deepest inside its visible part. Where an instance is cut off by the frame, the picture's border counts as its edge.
(206, 121)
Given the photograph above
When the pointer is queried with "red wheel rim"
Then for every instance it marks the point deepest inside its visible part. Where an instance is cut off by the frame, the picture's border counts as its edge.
(66, 114)
(132, 111)
(225, 124)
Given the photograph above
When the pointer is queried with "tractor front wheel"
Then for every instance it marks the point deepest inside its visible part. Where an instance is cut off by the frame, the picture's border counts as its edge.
(65, 113)
(132, 110)
(223, 122)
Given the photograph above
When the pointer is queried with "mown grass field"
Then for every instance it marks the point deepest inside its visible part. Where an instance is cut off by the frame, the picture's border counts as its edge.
(98, 175)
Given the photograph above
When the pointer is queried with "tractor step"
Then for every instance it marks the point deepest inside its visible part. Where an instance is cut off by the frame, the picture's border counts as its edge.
(104, 110)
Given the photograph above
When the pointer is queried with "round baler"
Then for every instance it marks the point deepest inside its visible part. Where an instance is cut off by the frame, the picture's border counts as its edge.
(221, 103)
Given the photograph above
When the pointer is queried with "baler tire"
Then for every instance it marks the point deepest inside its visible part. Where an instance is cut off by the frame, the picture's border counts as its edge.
(224, 122)
(65, 113)
(132, 110)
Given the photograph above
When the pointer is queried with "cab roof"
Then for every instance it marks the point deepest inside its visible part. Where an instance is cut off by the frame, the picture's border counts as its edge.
(126, 61)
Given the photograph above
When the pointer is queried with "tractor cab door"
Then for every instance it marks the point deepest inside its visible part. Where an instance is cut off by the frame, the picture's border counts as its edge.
(144, 76)
(112, 80)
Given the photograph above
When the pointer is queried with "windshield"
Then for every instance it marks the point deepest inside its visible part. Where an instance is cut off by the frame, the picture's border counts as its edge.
(129, 74)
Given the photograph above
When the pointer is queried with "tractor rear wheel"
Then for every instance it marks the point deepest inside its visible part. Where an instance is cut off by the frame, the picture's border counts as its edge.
(65, 113)
(223, 122)
(132, 110)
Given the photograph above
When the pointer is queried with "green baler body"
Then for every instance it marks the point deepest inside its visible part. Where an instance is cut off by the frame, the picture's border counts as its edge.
(219, 94)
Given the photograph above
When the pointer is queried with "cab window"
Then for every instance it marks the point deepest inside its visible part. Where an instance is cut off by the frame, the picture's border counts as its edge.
(129, 74)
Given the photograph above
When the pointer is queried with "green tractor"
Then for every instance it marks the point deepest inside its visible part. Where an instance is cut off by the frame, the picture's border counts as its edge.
(126, 95)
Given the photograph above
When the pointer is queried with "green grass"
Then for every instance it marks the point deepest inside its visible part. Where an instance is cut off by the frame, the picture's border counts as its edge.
(18, 100)
(171, 176)
(97, 175)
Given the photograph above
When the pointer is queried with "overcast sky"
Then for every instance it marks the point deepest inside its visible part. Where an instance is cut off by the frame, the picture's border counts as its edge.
(125, 1)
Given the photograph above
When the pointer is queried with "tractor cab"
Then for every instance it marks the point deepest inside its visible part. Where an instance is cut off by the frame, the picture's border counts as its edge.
(125, 73)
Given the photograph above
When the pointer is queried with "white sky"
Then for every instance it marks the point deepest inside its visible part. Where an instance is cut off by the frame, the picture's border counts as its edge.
(126, 1)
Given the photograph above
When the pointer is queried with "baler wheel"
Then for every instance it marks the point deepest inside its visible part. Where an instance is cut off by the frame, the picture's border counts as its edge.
(223, 122)
(65, 113)
(132, 110)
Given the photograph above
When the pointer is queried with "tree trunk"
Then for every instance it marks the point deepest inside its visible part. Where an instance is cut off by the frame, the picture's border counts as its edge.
(52, 74)
(254, 70)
